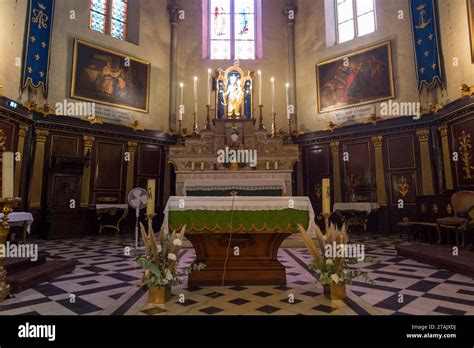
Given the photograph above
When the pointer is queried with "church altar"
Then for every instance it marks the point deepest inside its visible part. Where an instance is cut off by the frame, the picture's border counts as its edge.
(249, 187)
(238, 237)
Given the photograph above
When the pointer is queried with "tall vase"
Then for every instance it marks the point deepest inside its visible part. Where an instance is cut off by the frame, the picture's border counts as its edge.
(335, 291)
(159, 295)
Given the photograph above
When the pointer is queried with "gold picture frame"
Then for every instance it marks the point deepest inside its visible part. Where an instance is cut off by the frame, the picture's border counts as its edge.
(330, 76)
(109, 77)
(470, 14)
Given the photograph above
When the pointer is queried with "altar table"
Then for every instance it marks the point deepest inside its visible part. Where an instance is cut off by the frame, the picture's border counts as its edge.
(238, 237)
(359, 214)
(21, 219)
(111, 215)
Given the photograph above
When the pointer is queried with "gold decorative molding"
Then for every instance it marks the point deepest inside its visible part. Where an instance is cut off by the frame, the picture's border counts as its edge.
(92, 119)
(465, 151)
(435, 107)
(378, 141)
(335, 147)
(86, 175)
(88, 143)
(31, 106)
(1, 90)
(466, 90)
(36, 186)
(448, 175)
(132, 146)
(136, 126)
(336, 172)
(373, 119)
(46, 110)
(403, 187)
(318, 190)
(23, 130)
(330, 127)
(3, 140)
(41, 135)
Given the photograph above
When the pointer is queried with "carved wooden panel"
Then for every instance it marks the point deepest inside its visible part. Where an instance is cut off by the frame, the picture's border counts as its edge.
(401, 152)
(109, 162)
(64, 145)
(107, 197)
(359, 162)
(149, 160)
(462, 142)
(403, 186)
(317, 161)
(64, 188)
(8, 138)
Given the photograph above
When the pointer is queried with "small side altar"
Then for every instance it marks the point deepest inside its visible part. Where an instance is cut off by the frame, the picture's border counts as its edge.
(238, 237)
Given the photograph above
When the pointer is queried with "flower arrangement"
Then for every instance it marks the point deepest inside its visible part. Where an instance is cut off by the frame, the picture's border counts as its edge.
(333, 265)
(160, 257)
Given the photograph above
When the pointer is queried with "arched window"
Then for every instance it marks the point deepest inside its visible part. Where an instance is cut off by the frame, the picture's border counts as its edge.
(109, 17)
(232, 29)
(354, 18)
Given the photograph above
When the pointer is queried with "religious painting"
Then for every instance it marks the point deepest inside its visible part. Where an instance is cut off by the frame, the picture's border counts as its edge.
(358, 78)
(108, 77)
(234, 95)
(470, 11)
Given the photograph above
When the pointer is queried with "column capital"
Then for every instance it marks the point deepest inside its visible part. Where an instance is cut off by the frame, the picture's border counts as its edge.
(335, 147)
(443, 130)
(132, 146)
(377, 140)
(23, 130)
(41, 135)
(423, 135)
(88, 141)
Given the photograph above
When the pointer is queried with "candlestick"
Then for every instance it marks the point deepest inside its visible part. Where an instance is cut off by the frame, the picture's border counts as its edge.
(7, 174)
(259, 87)
(195, 125)
(273, 95)
(6, 205)
(181, 105)
(208, 118)
(208, 87)
(195, 95)
(261, 126)
(287, 86)
(273, 124)
(150, 203)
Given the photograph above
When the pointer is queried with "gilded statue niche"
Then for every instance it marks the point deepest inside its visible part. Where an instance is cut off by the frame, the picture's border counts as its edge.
(465, 152)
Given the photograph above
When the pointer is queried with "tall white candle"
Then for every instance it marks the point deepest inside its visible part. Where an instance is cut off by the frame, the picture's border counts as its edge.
(150, 204)
(195, 94)
(287, 100)
(273, 95)
(181, 105)
(7, 174)
(259, 87)
(209, 87)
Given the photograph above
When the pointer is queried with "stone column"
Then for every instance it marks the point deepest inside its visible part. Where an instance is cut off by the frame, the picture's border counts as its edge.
(18, 164)
(425, 157)
(132, 148)
(336, 172)
(379, 170)
(36, 186)
(86, 176)
(290, 12)
(173, 11)
(448, 175)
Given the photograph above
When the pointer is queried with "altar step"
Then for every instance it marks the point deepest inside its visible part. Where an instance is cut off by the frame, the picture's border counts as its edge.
(22, 273)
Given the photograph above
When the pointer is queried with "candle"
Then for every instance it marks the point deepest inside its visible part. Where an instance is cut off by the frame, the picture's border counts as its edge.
(202, 166)
(287, 101)
(195, 94)
(209, 86)
(193, 166)
(150, 203)
(181, 105)
(260, 87)
(326, 196)
(267, 165)
(7, 175)
(273, 95)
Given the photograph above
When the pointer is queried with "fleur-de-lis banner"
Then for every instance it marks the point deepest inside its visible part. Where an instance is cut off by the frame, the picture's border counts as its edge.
(427, 44)
(36, 45)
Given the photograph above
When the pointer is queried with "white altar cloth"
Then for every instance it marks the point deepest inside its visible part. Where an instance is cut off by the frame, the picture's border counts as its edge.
(363, 206)
(19, 219)
(180, 203)
(231, 184)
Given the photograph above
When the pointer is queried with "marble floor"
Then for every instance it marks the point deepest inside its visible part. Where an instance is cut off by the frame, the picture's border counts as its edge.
(106, 281)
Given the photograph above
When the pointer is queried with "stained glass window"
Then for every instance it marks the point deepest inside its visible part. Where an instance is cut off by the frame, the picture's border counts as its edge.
(354, 18)
(232, 29)
(109, 16)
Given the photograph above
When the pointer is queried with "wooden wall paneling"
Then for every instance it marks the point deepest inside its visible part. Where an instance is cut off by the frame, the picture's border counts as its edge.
(317, 164)
(150, 165)
(462, 142)
(360, 164)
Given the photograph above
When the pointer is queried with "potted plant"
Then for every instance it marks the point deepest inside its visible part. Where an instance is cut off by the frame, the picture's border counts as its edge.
(333, 267)
(160, 261)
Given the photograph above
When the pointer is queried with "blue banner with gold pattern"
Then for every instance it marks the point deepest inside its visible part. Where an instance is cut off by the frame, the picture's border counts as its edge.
(427, 43)
(36, 44)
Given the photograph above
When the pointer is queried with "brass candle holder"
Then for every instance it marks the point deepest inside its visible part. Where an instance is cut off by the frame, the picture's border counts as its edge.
(274, 131)
(261, 126)
(7, 205)
(195, 125)
(289, 127)
(208, 118)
